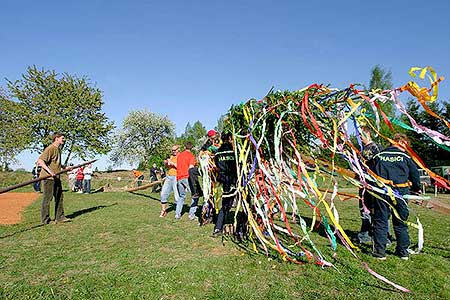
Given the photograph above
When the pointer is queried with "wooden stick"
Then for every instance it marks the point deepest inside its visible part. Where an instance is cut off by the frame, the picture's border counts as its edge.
(146, 186)
(13, 187)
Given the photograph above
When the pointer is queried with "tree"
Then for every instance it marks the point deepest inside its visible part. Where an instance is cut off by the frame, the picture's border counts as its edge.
(13, 131)
(221, 126)
(195, 134)
(145, 138)
(67, 104)
(430, 152)
(381, 80)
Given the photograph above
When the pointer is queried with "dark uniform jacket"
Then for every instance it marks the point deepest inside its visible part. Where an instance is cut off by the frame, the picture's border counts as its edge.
(210, 146)
(368, 153)
(206, 145)
(226, 163)
(396, 166)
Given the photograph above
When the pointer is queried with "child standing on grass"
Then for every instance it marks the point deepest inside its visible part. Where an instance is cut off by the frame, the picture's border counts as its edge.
(80, 177)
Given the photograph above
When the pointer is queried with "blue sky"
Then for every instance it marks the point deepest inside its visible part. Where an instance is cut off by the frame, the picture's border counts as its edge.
(191, 60)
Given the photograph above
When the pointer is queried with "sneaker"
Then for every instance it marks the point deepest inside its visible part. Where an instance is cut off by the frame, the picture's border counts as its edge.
(163, 214)
(388, 243)
(177, 217)
(364, 238)
(193, 218)
(46, 222)
(411, 251)
(217, 233)
(379, 256)
(405, 256)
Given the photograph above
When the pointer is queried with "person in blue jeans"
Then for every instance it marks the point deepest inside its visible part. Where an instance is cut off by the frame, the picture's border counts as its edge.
(185, 161)
(170, 182)
(87, 172)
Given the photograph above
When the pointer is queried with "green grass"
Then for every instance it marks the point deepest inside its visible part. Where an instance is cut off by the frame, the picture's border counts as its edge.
(117, 247)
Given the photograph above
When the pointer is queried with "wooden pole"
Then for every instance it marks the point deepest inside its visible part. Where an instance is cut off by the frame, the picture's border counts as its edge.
(16, 186)
(146, 186)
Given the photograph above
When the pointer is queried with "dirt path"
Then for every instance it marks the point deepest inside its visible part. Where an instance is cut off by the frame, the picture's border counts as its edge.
(12, 204)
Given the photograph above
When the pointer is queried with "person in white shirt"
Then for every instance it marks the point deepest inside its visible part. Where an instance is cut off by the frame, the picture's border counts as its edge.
(87, 179)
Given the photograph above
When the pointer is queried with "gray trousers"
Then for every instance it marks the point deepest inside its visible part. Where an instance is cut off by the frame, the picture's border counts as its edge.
(52, 189)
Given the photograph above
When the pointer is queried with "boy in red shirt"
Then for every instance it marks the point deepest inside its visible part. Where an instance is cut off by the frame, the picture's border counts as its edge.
(185, 161)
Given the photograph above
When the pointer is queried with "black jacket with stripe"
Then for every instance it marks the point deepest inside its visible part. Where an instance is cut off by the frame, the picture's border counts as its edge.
(226, 164)
(392, 164)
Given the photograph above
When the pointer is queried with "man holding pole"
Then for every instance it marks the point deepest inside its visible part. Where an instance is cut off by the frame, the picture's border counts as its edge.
(50, 161)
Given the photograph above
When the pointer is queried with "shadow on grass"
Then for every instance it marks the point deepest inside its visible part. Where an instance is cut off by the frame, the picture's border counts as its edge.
(438, 251)
(144, 195)
(285, 239)
(21, 231)
(88, 210)
(170, 206)
(387, 289)
(99, 190)
(71, 216)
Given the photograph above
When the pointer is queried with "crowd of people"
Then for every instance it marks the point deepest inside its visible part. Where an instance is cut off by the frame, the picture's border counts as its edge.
(392, 166)
(183, 174)
(80, 179)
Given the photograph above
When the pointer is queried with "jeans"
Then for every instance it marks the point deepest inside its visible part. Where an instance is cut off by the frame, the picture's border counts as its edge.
(87, 186)
(193, 208)
(170, 185)
(182, 186)
(79, 184)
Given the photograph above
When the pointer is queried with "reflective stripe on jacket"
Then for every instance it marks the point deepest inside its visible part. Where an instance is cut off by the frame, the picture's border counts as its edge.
(396, 168)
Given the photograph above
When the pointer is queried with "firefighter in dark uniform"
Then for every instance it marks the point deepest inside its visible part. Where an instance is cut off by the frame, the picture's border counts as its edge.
(227, 175)
(395, 168)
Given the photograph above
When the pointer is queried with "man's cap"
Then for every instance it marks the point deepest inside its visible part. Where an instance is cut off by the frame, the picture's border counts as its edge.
(211, 133)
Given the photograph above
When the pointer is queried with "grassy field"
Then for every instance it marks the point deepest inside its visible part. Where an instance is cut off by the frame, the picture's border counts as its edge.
(117, 247)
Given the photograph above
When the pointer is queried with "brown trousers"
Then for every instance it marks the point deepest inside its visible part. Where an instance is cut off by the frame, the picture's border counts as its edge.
(52, 189)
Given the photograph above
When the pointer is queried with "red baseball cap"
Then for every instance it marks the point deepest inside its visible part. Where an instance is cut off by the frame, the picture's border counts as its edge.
(211, 133)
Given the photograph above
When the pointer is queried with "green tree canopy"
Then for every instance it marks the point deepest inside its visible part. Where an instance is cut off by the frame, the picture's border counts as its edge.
(430, 152)
(221, 123)
(194, 133)
(14, 134)
(145, 138)
(50, 103)
(381, 80)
